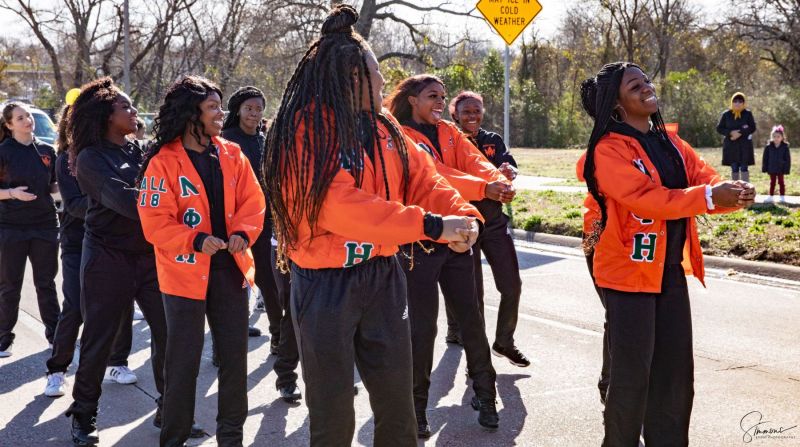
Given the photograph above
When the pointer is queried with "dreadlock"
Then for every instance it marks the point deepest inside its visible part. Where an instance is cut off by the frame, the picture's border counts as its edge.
(397, 102)
(181, 108)
(323, 97)
(599, 95)
(235, 103)
(88, 120)
(61, 139)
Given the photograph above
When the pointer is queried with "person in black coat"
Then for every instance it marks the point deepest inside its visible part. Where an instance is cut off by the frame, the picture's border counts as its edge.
(737, 126)
(777, 160)
(28, 222)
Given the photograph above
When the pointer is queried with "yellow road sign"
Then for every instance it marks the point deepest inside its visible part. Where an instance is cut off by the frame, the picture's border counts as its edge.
(509, 17)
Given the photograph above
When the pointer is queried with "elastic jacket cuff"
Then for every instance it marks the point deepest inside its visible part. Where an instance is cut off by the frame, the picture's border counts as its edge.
(433, 226)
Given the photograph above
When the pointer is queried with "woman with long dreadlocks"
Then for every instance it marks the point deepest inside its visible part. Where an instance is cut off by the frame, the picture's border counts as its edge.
(70, 238)
(117, 263)
(646, 185)
(418, 102)
(201, 206)
(346, 187)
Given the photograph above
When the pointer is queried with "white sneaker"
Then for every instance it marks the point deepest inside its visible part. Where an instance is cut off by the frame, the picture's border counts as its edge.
(782, 199)
(137, 313)
(120, 374)
(55, 385)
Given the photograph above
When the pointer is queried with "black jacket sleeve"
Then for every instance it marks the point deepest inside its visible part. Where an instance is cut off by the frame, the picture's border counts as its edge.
(751, 125)
(787, 163)
(722, 126)
(102, 183)
(75, 201)
(503, 154)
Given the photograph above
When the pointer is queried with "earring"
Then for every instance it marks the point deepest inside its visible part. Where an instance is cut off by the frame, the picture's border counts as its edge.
(617, 120)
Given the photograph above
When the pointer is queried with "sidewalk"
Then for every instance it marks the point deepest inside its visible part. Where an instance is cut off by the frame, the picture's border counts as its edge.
(532, 183)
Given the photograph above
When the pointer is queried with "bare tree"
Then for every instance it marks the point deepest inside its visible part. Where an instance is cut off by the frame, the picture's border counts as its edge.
(668, 18)
(773, 25)
(627, 16)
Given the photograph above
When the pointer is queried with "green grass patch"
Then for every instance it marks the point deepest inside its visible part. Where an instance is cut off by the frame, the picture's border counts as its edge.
(561, 163)
(765, 232)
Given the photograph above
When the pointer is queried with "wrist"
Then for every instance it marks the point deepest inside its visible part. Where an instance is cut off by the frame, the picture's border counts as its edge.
(709, 198)
(11, 194)
(432, 226)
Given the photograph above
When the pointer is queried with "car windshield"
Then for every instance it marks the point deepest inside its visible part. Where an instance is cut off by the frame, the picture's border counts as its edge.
(45, 130)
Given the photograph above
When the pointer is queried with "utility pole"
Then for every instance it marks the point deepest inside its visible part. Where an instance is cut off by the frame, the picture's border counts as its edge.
(126, 68)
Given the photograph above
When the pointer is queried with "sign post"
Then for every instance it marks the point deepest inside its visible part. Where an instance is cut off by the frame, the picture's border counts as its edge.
(509, 18)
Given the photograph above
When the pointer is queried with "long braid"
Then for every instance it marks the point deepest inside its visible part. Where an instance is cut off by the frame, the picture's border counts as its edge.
(402, 150)
(320, 98)
(599, 98)
(374, 128)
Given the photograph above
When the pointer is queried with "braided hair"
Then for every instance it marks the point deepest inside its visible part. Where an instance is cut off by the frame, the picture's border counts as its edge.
(323, 97)
(181, 108)
(397, 102)
(599, 95)
(235, 103)
(87, 123)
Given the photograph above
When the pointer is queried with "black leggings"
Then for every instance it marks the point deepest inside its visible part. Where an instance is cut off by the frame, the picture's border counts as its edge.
(652, 365)
(454, 272)
(357, 314)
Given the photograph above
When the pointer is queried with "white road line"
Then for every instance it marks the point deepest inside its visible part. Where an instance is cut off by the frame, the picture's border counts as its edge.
(553, 323)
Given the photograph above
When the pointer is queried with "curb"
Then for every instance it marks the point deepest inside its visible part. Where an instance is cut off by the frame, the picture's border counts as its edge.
(761, 268)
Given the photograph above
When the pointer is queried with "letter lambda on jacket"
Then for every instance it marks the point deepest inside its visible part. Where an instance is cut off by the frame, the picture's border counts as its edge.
(630, 253)
(174, 209)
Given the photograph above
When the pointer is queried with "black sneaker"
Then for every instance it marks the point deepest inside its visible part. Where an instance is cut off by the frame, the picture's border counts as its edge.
(5, 347)
(196, 432)
(290, 393)
(273, 344)
(487, 413)
(512, 354)
(423, 428)
(214, 356)
(453, 337)
(83, 425)
(253, 331)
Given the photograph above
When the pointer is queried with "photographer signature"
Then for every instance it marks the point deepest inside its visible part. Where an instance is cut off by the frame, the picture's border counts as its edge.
(752, 426)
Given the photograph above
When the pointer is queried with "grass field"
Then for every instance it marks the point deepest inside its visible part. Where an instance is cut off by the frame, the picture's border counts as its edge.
(561, 163)
(762, 232)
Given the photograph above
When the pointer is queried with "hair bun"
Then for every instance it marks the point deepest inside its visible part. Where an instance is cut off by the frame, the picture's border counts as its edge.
(340, 20)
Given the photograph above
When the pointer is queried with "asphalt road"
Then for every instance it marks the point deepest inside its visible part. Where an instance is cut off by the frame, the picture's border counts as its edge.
(747, 358)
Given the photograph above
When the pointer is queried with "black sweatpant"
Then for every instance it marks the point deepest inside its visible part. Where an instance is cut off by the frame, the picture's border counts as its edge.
(111, 280)
(70, 320)
(44, 262)
(602, 383)
(266, 281)
(652, 366)
(288, 357)
(226, 308)
(357, 314)
(454, 273)
(498, 246)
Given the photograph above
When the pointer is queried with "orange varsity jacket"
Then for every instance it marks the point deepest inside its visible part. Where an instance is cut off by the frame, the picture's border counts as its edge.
(173, 207)
(630, 253)
(461, 163)
(356, 224)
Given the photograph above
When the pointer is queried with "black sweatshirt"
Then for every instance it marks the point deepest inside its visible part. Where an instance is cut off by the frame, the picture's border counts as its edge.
(431, 132)
(669, 164)
(107, 174)
(33, 166)
(493, 147)
(253, 148)
(207, 166)
(75, 204)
